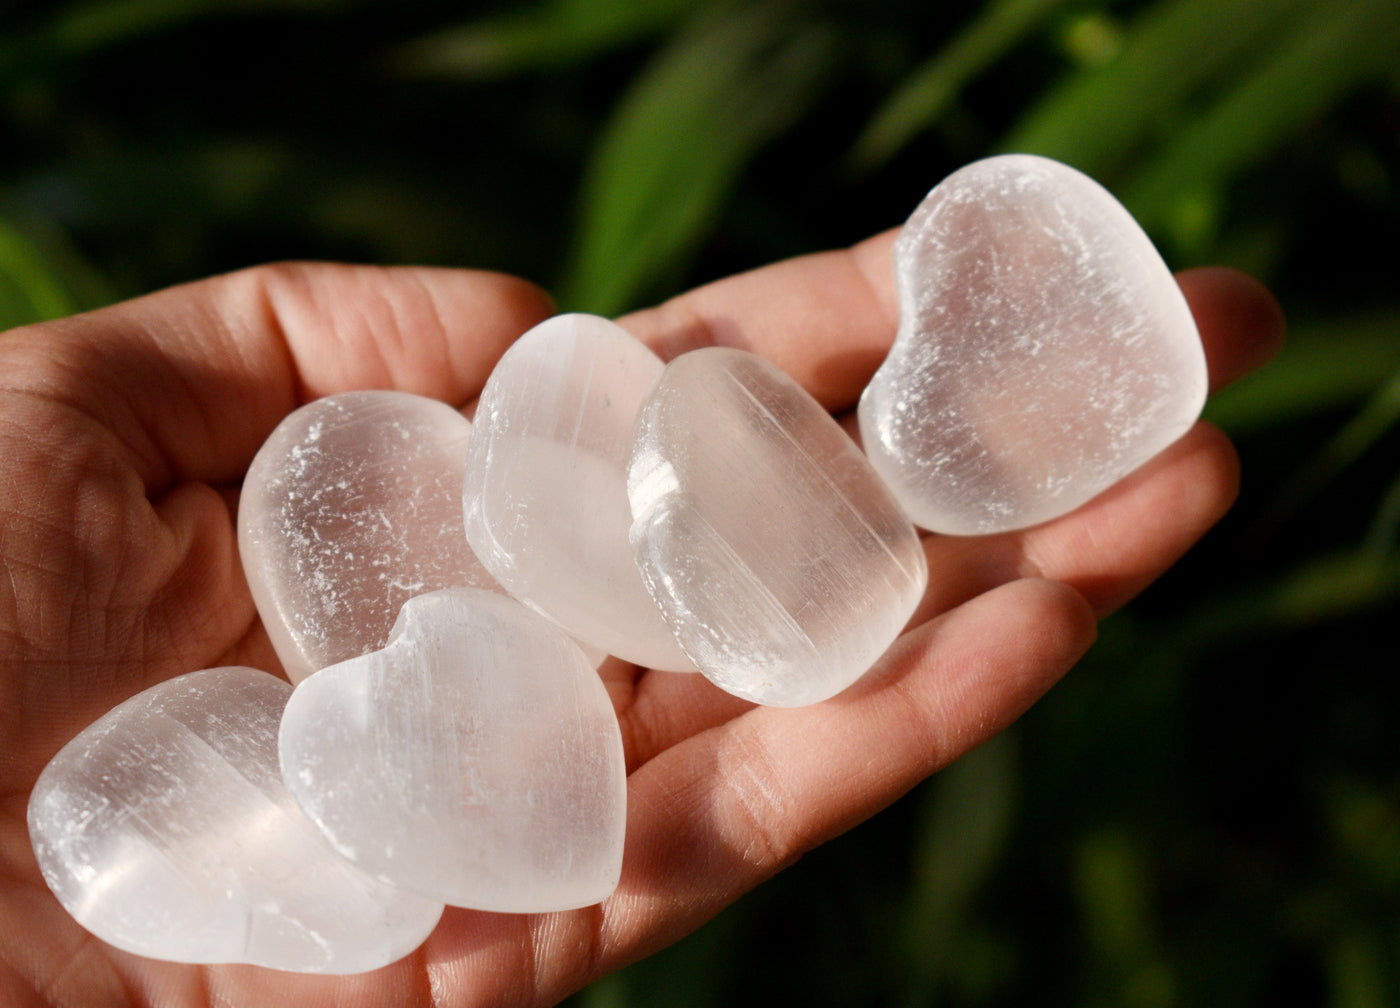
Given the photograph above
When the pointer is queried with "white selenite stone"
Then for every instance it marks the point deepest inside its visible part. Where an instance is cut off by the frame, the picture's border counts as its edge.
(475, 759)
(546, 483)
(1044, 350)
(165, 830)
(783, 565)
(351, 507)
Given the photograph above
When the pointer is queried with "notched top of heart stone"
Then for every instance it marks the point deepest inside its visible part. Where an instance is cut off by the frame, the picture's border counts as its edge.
(475, 759)
(165, 830)
(1044, 350)
(783, 565)
(546, 486)
(352, 506)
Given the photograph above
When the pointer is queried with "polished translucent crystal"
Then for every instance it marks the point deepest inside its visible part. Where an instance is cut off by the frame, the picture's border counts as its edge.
(165, 829)
(475, 759)
(546, 492)
(352, 506)
(782, 564)
(1044, 350)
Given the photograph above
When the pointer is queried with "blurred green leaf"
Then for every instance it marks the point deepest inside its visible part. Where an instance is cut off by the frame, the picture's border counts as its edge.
(1100, 117)
(1384, 534)
(1378, 416)
(1325, 365)
(1114, 888)
(607, 992)
(679, 138)
(544, 35)
(965, 820)
(1358, 814)
(928, 92)
(1358, 963)
(30, 291)
(1327, 54)
(1092, 37)
(1312, 591)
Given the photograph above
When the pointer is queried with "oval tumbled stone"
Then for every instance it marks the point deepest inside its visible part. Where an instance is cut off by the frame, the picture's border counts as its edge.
(782, 564)
(166, 830)
(351, 507)
(545, 496)
(1044, 350)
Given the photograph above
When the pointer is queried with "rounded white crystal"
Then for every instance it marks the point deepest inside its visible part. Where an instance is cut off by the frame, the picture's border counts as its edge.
(165, 830)
(1044, 350)
(545, 495)
(351, 507)
(783, 565)
(475, 759)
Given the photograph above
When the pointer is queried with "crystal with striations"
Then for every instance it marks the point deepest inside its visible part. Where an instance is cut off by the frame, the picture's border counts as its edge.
(166, 830)
(546, 483)
(351, 507)
(783, 565)
(1044, 350)
(476, 759)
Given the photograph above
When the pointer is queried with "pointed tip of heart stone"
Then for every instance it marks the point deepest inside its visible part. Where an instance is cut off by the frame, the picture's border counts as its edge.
(165, 830)
(1044, 350)
(475, 759)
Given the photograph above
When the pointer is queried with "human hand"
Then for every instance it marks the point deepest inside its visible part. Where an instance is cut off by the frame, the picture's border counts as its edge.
(124, 433)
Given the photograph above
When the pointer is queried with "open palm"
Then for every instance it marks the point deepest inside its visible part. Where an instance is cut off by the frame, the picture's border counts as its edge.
(124, 434)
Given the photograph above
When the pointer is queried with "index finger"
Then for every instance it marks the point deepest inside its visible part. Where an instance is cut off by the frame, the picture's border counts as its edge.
(828, 319)
(191, 379)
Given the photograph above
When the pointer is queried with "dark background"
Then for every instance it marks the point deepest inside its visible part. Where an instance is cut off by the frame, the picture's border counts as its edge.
(1207, 811)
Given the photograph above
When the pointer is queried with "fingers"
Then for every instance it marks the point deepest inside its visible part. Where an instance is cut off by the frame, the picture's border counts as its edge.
(665, 707)
(1112, 547)
(192, 379)
(719, 812)
(826, 319)
(1240, 322)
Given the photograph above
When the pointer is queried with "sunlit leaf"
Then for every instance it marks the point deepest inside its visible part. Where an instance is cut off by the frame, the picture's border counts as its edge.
(1325, 56)
(30, 291)
(1383, 536)
(1325, 366)
(1359, 965)
(1312, 591)
(1115, 901)
(543, 35)
(966, 817)
(1099, 117)
(667, 158)
(1378, 416)
(928, 92)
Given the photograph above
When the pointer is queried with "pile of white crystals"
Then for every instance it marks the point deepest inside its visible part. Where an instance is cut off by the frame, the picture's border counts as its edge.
(440, 590)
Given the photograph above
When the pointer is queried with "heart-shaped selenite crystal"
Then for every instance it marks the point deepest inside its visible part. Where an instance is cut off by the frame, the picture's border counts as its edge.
(546, 486)
(475, 759)
(783, 565)
(165, 829)
(1044, 350)
(351, 507)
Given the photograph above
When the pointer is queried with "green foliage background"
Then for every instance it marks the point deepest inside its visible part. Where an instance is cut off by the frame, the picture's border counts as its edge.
(1207, 812)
